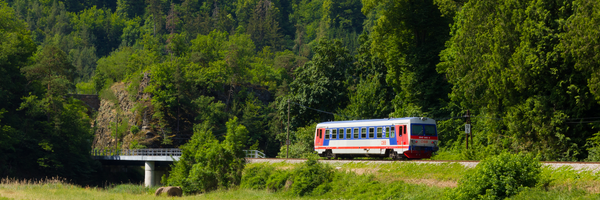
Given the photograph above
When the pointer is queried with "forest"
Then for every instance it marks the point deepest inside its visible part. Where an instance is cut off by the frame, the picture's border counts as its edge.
(528, 72)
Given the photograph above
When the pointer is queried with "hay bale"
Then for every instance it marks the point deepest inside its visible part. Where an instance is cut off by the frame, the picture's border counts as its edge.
(172, 191)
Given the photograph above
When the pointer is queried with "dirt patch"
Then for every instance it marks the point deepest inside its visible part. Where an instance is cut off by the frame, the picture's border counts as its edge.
(10, 194)
(284, 167)
(592, 188)
(361, 171)
(422, 181)
(432, 182)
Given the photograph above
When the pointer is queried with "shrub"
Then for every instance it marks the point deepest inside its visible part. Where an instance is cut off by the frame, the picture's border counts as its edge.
(256, 177)
(499, 177)
(134, 130)
(310, 176)
(277, 180)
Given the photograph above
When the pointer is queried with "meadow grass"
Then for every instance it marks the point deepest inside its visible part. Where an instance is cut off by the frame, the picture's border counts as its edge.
(355, 180)
(68, 192)
(555, 193)
(566, 178)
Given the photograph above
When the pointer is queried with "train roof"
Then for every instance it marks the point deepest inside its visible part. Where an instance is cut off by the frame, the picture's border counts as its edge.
(376, 122)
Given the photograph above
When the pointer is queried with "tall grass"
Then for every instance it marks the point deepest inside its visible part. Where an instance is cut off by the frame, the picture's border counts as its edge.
(50, 183)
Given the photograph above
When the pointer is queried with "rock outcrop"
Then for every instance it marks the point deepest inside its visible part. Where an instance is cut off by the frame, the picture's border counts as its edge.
(126, 110)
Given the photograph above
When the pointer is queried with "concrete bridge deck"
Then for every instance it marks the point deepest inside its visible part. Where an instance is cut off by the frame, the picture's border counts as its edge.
(151, 159)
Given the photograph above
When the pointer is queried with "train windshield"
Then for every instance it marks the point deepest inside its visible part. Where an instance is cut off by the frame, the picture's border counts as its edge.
(430, 130)
(423, 130)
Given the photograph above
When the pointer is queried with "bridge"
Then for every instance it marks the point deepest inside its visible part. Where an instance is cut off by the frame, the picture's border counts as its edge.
(151, 159)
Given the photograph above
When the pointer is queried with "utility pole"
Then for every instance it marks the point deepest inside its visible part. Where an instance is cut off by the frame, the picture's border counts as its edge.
(468, 129)
(287, 140)
(117, 130)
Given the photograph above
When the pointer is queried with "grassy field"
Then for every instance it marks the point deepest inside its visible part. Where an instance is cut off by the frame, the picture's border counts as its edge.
(351, 181)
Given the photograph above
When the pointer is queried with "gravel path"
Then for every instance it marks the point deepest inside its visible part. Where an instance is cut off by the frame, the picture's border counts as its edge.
(592, 166)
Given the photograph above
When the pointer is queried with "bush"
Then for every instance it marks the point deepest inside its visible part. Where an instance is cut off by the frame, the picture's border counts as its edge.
(310, 176)
(134, 130)
(256, 177)
(277, 180)
(499, 177)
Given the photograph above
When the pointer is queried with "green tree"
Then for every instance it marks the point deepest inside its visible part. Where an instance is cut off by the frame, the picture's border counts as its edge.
(113, 68)
(370, 97)
(580, 46)
(510, 65)
(409, 35)
(207, 164)
(17, 46)
(54, 72)
(57, 127)
(263, 26)
(320, 83)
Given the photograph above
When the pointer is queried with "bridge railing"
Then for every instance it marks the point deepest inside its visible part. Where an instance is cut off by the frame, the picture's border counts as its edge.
(137, 152)
(254, 154)
(159, 152)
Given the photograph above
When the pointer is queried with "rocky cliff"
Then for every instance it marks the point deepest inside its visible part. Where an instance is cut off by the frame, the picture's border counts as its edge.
(125, 119)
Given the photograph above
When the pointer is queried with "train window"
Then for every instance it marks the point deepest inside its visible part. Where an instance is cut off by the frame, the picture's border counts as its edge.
(371, 133)
(363, 133)
(416, 130)
(430, 130)
(327, 134)
(348, 133)
(334, 134)
(392, 132)
(355, 133)
(404, 129)
(386, 133)
(379, 132)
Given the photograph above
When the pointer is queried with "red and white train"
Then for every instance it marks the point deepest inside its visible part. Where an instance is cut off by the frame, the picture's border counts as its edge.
(398, 138)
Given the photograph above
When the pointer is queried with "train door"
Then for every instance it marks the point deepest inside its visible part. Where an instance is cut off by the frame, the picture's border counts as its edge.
(319, 136)
(402, 135)
(326, 137)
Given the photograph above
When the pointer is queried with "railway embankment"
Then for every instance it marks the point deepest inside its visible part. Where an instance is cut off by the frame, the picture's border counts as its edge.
(578, 166)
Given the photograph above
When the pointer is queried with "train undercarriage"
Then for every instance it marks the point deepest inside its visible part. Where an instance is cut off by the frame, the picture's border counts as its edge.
(389, 153)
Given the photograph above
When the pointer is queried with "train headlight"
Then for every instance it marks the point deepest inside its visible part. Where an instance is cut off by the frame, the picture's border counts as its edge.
(412, 141)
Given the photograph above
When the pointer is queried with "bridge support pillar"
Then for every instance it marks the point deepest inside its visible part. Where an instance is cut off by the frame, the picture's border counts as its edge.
(149, 178)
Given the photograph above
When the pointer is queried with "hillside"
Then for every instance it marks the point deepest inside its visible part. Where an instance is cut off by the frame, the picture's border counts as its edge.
(165, 70)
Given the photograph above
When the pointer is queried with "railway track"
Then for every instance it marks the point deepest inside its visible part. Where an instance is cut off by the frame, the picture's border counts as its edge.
(593, 166)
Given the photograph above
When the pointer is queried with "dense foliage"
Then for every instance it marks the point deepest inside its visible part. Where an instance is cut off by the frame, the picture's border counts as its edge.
(499, 177)
(311, 177)
(43, 132)
(207, 164)
(526, 70)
